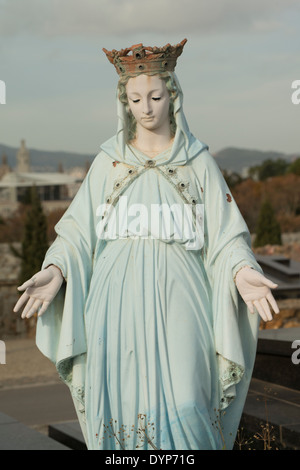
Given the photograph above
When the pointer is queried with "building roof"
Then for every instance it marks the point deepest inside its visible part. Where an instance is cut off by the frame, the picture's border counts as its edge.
(14, 179)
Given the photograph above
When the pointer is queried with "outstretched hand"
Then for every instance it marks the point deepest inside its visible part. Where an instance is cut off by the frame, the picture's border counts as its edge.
(39, 291)
(255, 290)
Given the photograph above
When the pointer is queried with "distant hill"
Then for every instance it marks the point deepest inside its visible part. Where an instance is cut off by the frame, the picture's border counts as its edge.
(235, 159)
(230, 159)
(45, 160)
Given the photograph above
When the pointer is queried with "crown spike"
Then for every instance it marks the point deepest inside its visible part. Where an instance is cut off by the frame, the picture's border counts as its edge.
(145, 59)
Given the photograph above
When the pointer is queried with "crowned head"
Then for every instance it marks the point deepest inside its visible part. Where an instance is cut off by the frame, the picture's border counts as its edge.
(139, 59)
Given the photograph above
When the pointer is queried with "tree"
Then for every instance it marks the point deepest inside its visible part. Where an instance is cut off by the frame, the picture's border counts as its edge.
(232, 179)
(268, 230)
(248, 196)
(272, 168)
(284, 192)
(269, 168)
(294, 167)
(34, 241)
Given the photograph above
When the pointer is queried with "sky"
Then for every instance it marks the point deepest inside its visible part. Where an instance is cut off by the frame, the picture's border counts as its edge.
(236, 70)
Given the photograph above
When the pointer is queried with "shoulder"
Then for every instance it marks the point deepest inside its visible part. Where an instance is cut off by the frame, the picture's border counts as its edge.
(205, 161)
(101, 162)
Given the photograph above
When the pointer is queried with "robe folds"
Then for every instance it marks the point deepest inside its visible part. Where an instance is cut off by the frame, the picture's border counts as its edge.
(148, 330)
(149, 335)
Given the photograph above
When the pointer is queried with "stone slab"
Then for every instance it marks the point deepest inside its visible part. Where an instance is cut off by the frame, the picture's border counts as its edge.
(68, 433)
(277, 406)
(273, 362)
(17, 436)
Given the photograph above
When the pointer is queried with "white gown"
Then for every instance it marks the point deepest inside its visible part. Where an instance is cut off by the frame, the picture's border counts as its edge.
(151, 336)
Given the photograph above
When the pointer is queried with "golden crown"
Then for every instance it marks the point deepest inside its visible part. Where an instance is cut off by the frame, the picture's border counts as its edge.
(145, 59)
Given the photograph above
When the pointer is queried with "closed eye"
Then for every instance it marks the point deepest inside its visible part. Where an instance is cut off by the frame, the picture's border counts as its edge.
(156, 99)
(135, 101)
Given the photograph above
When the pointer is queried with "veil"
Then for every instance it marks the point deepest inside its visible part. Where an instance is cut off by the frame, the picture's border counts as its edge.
(185, 146)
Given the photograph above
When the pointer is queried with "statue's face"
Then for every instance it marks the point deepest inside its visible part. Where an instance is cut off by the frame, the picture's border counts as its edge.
(148, 100)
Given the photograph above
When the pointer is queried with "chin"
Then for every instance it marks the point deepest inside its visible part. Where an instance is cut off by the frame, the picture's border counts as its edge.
(150, 125)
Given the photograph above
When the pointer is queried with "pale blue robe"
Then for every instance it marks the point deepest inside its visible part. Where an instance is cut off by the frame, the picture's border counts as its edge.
(147, 333)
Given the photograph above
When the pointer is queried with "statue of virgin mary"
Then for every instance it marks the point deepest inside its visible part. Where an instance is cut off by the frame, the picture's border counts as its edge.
(149, 330)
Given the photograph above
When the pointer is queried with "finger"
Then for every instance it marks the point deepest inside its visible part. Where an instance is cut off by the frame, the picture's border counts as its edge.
(273, 302)
(28, 306)
(266, 308)
(34, 308)
(260, 310)
(24, 297)
(26, 284)
(250, 306)
(43, 308)
(269, 283)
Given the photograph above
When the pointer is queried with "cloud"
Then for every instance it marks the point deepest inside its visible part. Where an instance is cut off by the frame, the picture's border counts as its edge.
(124, 17)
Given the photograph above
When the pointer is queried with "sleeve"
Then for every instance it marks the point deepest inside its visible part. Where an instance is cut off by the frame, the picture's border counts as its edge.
(227, 248)
(60, 333)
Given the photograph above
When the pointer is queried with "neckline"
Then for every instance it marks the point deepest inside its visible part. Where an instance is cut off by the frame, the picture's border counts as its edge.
(162, 153)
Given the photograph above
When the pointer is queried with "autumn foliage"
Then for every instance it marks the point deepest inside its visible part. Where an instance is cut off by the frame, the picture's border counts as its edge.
(12, 228)
(283, 192)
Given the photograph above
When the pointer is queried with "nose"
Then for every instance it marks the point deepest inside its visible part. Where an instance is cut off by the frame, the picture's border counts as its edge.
(147, 109)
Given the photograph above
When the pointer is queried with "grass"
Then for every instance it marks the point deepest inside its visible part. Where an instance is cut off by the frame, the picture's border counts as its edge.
(264, 438)
(144, 433)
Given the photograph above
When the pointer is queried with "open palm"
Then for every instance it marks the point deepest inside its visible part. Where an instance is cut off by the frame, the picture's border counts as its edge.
(255, 290)
(39, 291)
